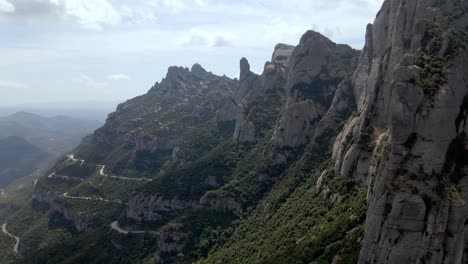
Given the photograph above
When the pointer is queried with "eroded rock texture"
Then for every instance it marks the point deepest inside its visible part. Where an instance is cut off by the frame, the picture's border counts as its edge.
(407, 142)
(317, 67)
(259, 98)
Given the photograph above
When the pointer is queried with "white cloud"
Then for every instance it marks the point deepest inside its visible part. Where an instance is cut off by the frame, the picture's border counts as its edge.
(89, 81)
(207, 37)
(200, 2)
(118, 77)
(11, 85)
(6, 7)
(138, 15)
(91, 14)
(173, 6)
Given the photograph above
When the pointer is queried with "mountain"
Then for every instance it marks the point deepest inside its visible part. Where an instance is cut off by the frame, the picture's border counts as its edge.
(330, 155)
(18, 158)
(84, 110)
(30, 142)
(55, 135)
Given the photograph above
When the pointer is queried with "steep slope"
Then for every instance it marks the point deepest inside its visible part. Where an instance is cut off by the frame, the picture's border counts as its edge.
(331, 155)
(408, 142)
(142, 134)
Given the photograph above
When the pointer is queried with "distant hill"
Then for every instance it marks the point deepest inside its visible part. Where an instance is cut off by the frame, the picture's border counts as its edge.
(18, 158)
(54, 135)
(29, 141)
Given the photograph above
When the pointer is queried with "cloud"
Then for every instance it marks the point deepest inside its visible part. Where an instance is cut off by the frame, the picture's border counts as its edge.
(89, 14)
(118, 77)
(200, 2)
(172, 6)
(11, 85)
(137, 15)
(6, 7)
(207, 38)
(92, 14)
(89, 81)
(221, 41)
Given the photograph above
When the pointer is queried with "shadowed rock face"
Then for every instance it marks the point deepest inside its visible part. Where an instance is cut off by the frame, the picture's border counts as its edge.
(405, 139)
(317, 66)
(260, 97)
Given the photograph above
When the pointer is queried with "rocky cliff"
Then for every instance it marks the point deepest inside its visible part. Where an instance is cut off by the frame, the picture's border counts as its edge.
(259, 98)
(407, 142)
(318, 66)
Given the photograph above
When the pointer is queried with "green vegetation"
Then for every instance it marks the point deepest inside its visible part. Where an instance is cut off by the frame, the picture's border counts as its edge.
(98, 246)
(433, 64)
(190, 181)
(263, 112)
(208, 230)
(433, 73)
(201, 139)
(301, 228)
(77, 170)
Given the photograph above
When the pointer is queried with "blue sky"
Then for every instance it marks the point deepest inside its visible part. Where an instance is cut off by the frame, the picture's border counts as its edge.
(112, 50)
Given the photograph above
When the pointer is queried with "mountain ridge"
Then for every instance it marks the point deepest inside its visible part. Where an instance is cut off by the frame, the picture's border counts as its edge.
(330, 155)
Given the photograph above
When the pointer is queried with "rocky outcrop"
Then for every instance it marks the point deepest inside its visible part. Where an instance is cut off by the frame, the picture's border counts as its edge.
(318, 66)
(260, 97)
(405, 142)
(220, 201)
(171, 241)
(143, 207)
(56, 206)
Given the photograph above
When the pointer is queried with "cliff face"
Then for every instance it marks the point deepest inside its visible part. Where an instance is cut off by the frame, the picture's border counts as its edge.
(259, 98)
(144, 207)
(408, 142)
(317, 67)
(60, 208)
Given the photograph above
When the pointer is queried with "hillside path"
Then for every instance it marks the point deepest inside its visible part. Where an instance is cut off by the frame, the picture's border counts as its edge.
(5, 231)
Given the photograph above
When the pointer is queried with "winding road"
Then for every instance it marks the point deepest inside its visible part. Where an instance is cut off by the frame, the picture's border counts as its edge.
(5, 231)
(103, 174)
(115, 226)
(63, 177)
(85, 198)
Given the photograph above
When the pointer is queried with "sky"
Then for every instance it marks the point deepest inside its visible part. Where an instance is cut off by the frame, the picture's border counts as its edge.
(113, 50)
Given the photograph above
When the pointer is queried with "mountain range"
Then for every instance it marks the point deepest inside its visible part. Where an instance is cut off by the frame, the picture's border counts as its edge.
(29, 142)
(330, 155)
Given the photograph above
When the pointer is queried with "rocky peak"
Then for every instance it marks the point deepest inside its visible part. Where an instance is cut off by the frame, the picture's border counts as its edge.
(317, 67)
(282, 54)
(199, 71)
(175, 73)
(247, 81)
(244, 68)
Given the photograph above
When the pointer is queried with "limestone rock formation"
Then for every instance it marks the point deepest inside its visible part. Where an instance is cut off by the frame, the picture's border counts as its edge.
(317, 67)
(144, 207)
(406, 142)
(260, 97)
